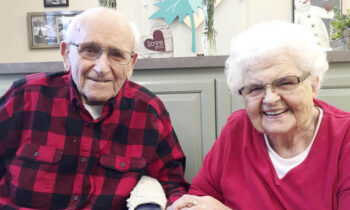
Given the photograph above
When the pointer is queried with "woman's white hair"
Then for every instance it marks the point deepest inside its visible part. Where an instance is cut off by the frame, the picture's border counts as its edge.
(263, 42)
(74, 26)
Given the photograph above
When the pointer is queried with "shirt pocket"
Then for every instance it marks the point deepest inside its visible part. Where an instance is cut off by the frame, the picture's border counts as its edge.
(122, 164)
(33, 173)
(39, 153)
(122, 174)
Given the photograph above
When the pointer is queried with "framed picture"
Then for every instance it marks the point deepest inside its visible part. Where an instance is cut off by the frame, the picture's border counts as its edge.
(56, 3)
(316, 16)
(46, 29)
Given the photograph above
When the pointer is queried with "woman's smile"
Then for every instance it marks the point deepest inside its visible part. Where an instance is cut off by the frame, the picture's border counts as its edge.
(275, 112)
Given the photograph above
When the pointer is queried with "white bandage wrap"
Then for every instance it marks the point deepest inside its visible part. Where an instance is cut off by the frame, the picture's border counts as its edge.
(147, 190)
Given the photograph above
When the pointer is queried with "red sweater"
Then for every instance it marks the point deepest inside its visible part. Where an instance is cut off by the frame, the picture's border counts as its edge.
(238, 170)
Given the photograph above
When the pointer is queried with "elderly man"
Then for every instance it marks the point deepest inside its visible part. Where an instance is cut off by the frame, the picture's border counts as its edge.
(82, 139)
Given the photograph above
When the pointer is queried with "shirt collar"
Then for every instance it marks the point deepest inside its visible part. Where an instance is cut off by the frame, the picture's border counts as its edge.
(74, 96)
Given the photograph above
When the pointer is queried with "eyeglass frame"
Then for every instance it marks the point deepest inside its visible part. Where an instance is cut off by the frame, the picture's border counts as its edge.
(299, 80)
(102, 50)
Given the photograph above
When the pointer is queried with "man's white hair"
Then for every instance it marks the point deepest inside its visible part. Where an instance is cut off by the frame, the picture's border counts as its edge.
(74, 26)
(263, 42)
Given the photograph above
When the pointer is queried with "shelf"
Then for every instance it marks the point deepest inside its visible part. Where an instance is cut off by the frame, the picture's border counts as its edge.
(152, 63)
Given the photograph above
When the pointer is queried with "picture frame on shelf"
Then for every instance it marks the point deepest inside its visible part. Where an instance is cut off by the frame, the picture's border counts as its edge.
(56, 3)
(46, 29)
(316, 16)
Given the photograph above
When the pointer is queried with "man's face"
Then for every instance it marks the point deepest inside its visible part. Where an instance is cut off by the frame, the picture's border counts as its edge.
(100, 79)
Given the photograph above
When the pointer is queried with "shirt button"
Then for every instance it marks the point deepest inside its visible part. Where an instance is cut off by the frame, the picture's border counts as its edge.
(36, 154)
(76, 198)
(83, 159)
(122, 164)
(75, 140)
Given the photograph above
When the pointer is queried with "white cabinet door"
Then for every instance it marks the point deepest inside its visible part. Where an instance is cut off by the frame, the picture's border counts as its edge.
(339, 97)
(335, 88)
(226, 103)
(191, 105)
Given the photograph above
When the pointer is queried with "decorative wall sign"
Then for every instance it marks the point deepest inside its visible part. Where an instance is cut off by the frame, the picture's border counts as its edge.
(158, 44)
(171, 9)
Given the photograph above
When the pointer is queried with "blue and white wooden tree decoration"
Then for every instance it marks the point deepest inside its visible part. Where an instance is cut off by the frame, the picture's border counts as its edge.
(171, 9)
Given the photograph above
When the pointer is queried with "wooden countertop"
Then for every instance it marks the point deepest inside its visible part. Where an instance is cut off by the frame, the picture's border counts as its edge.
(152, 63)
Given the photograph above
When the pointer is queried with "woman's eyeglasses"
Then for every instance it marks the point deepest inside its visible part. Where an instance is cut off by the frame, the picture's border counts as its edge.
(281, 84)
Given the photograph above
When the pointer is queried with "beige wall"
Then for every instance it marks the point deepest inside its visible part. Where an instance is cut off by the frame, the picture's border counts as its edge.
(231, 17)
(14, 35)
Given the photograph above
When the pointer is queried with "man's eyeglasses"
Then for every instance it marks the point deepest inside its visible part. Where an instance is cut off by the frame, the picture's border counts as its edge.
(92, 51)
(281, 84)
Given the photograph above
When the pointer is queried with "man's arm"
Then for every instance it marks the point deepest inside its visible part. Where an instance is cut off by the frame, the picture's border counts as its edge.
(6, 127)
(9, 141)
(169, 163)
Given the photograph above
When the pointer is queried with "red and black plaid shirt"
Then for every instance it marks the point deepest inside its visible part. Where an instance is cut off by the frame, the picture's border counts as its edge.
(54, 155)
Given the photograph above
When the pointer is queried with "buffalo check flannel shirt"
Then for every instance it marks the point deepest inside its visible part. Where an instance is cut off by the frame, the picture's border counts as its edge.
(53, 155)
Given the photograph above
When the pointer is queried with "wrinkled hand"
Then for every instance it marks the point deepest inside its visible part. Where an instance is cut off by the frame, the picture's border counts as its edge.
(192, 202)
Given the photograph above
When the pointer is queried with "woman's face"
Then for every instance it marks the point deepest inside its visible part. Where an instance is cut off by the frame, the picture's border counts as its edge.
(276, 111)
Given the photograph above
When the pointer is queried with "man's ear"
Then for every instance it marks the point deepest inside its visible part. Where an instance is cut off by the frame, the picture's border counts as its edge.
(315, 86)
(64, 48)
(134, 58)
(133, 62)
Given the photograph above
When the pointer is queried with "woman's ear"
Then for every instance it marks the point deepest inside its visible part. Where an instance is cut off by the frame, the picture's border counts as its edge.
(315, 86)
(64, 48)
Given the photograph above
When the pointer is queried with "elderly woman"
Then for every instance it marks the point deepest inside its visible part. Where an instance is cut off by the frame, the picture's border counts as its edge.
(286, 149)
